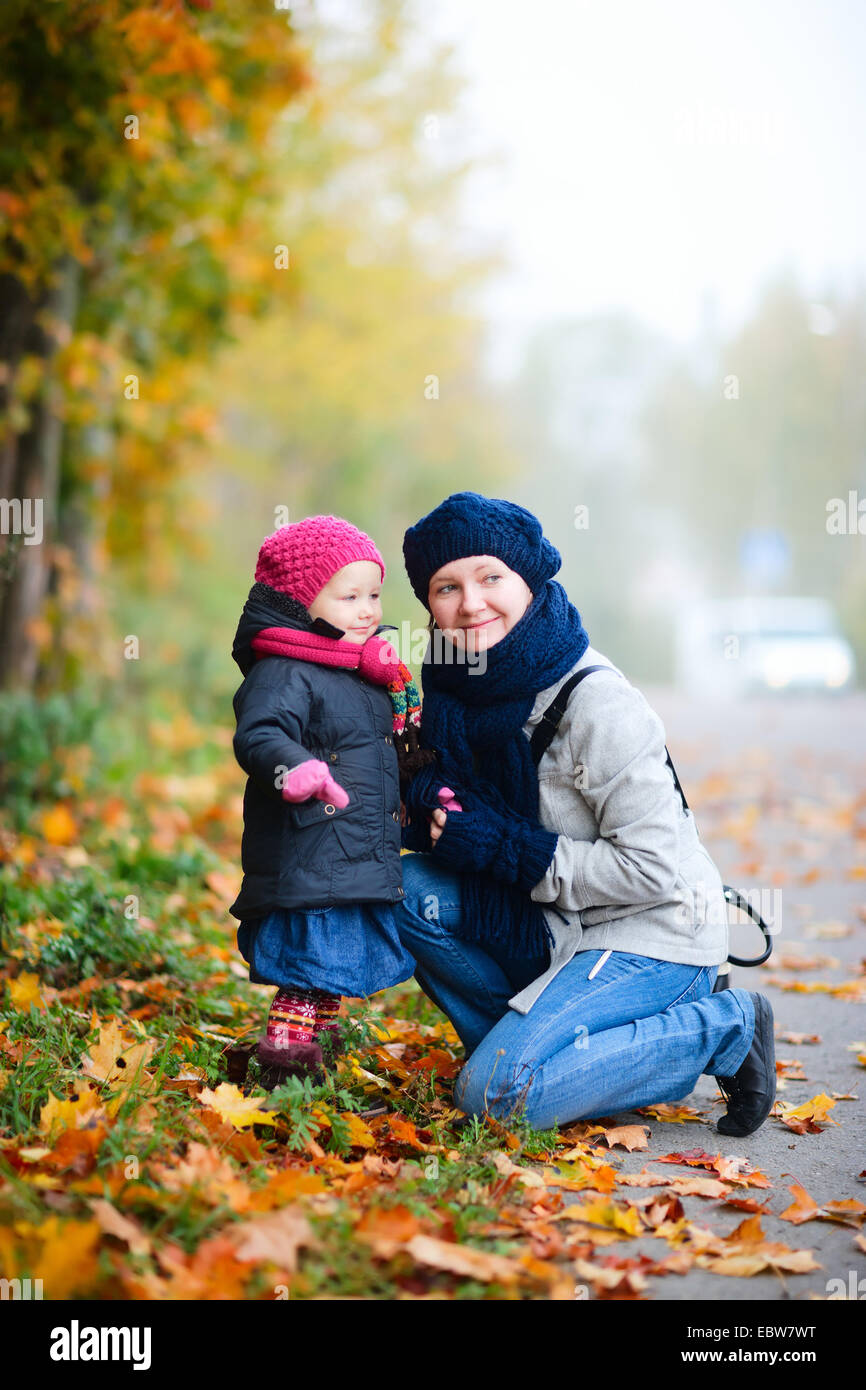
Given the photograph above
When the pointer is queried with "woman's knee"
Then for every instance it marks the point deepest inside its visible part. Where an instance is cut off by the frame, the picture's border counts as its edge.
(490, 1084)
(429, 897)
(469, 1091)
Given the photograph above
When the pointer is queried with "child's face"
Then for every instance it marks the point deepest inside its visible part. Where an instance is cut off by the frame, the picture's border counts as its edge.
(477, 600)
(351, 600)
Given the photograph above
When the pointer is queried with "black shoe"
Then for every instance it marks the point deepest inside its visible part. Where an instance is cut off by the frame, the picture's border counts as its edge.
(750, 1094)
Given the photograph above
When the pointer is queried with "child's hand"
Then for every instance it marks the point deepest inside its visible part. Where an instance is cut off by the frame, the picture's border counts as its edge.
(437, 825)
(313, 778)
(438, 818)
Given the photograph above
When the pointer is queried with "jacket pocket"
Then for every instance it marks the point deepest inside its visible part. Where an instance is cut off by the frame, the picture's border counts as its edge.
(699, 894)
(321, 832)
(562, 807)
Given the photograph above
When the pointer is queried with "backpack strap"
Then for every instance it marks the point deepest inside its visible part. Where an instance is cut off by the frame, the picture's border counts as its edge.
(676, 779)
(542, 736)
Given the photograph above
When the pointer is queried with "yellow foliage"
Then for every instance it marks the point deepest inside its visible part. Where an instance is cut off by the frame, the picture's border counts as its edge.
(58, 825)
(236, 1108)
(85, 1108)
(25, 991)
(118, 1059)
(63, 1254)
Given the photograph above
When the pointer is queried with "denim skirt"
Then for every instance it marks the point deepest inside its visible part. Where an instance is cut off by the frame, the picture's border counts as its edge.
(354, 950)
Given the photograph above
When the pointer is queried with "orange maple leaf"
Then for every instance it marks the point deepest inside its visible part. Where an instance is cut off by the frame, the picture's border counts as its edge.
(805, 1208)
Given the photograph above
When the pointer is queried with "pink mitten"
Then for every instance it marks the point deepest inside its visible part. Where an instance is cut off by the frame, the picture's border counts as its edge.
(449, 802)
(312, 778)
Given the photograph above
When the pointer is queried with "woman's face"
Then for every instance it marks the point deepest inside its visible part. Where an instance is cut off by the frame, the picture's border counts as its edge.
(477, 600)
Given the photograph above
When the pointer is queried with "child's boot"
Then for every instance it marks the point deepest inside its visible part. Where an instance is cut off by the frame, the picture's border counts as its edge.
(289, 1047)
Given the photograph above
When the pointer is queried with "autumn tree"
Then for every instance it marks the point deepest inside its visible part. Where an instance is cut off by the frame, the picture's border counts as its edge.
(134, 175)
(365, 393)
(210, 191)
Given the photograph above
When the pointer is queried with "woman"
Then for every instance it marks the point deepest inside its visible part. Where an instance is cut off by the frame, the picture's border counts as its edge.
(566, 918)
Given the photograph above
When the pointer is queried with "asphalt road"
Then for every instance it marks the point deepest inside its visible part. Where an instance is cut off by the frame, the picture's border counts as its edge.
(778, 789)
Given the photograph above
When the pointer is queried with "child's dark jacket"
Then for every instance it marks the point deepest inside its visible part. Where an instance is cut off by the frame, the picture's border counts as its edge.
(312, 854)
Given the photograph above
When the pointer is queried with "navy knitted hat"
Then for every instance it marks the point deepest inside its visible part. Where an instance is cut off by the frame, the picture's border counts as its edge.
(468, 524)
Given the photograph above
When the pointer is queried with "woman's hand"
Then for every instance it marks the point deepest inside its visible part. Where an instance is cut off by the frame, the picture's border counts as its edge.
(482, 839)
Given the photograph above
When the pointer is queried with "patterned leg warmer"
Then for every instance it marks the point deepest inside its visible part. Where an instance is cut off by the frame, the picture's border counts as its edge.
(292, 1018)
(289, 1046)
(327, 1014)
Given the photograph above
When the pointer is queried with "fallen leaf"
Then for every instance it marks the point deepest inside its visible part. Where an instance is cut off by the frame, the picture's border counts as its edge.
(64, 1255)
(24, 991)
(403, 1131)
(789, 960)
(76, 1149)
(625, 1282)
(828, 930)
(82, 1107)
(728, 1166)
(807, 1118)
(284, 1187)
(576, 1176)
(205, 1170)
(753, 1262)
(805, 1208)
(114, 1223)
(33, 1155)
(435, 1059)
(527, 1176)
(58, 825)
(211, 1272)
(386, 1230)
(791, 1068)
(463, 1260)
(275, 1238)
(672, 1114)
(700, 1187)
(360, 1134)
(631, 1137)
(117, 1059)
(237, 1109)
(616, 1218)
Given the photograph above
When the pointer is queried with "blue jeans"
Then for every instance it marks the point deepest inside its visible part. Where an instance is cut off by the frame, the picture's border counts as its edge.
(640, 1033)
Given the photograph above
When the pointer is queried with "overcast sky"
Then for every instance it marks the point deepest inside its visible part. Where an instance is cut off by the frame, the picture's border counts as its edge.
(657, 152)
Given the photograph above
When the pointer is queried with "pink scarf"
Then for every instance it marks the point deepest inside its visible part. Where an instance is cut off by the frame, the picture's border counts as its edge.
(375, 660)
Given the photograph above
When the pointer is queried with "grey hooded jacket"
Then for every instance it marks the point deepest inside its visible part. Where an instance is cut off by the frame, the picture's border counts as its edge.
(629, 872)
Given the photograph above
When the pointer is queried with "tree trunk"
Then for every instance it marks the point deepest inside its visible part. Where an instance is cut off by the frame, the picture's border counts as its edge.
(30, 463)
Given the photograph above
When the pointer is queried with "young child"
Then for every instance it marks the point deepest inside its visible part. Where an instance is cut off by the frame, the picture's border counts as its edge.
(327, 719)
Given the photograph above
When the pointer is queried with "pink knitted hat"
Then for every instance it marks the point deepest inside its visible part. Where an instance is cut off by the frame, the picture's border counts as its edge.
(300, 558)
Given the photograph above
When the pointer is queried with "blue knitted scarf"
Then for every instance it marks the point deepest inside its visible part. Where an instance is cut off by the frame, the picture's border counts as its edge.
(475, 722)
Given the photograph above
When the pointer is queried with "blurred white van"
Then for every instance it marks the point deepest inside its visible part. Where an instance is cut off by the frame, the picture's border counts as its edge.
(727, 648)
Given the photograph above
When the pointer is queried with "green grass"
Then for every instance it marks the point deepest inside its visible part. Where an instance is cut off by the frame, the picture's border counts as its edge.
(167, 957)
